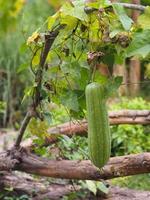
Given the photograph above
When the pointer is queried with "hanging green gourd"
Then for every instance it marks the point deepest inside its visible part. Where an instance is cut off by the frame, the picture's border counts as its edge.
(99, 141)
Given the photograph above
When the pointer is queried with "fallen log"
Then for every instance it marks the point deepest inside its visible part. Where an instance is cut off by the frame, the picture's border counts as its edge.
(41, 189)
(117, 193)
(75, 169)
(36, 189)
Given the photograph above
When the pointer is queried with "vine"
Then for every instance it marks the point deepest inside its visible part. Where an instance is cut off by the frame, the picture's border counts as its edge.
(79, 39)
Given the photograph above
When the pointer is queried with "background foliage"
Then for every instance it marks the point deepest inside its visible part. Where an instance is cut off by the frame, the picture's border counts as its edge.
(69, 71)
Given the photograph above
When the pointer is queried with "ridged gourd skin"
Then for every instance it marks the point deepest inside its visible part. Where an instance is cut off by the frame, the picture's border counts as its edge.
(99, 140)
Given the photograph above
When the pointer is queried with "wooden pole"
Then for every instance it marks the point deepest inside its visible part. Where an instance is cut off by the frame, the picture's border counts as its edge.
(135, 66)
(74, 169)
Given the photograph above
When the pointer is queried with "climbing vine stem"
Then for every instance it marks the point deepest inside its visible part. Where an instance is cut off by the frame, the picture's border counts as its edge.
(49, 39)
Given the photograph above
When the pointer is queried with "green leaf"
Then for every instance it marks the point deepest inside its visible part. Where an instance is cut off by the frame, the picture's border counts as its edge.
(142, 51)
(114, 32)
(100, 78)
(66, 140)
(97, 5)
(23, 48)
(144, 19)
(40, 151)
(70, 21)
(48, 117)
(113, 85)
(109, 59)
(123, 17)
(44, 94)
(52, 19)
(101, 186)
(22, 67)
(120, 57)
(77, 11)
(36, 59)
(145, 2)
(70, 100)
(117, 81)
(71, 68)
(91, 186)
(82, 80)
(147, 70)
(10, 189)
(28, 92)
(140, 45)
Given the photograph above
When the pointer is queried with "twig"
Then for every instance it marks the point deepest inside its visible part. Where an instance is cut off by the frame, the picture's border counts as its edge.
(23, 128)
(138, 83)
(79, 127)
(89, 10)
(49, 39)
(34, 54)
(132, 6)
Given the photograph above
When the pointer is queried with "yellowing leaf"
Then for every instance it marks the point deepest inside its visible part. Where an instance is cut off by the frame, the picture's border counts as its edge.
(36, 60)
(38, 128)
(33, 38)
(147, 71)
(91, 186)
(144, 19)
(69, 21)
(52, 19)
(56, 3)
(102, 187)
(28, 93)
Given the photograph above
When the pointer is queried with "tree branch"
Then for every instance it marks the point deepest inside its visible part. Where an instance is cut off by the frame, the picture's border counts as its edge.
(80, 127)
(132, 6)
(115, 118)
(24, 124)
(89, 10)
(49, 39)
(84, 170)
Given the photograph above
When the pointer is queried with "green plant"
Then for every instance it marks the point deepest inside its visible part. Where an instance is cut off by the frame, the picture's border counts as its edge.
(9, 194)
(138, 182)
(59, 62)
(137, 103)
(126, 138)
(2, 111)
(75, 148)
(15, 19)
(2, 106)
(23, 197)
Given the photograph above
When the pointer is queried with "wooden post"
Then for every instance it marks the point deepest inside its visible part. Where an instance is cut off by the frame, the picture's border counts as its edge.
(135, 67)
(120, 70)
